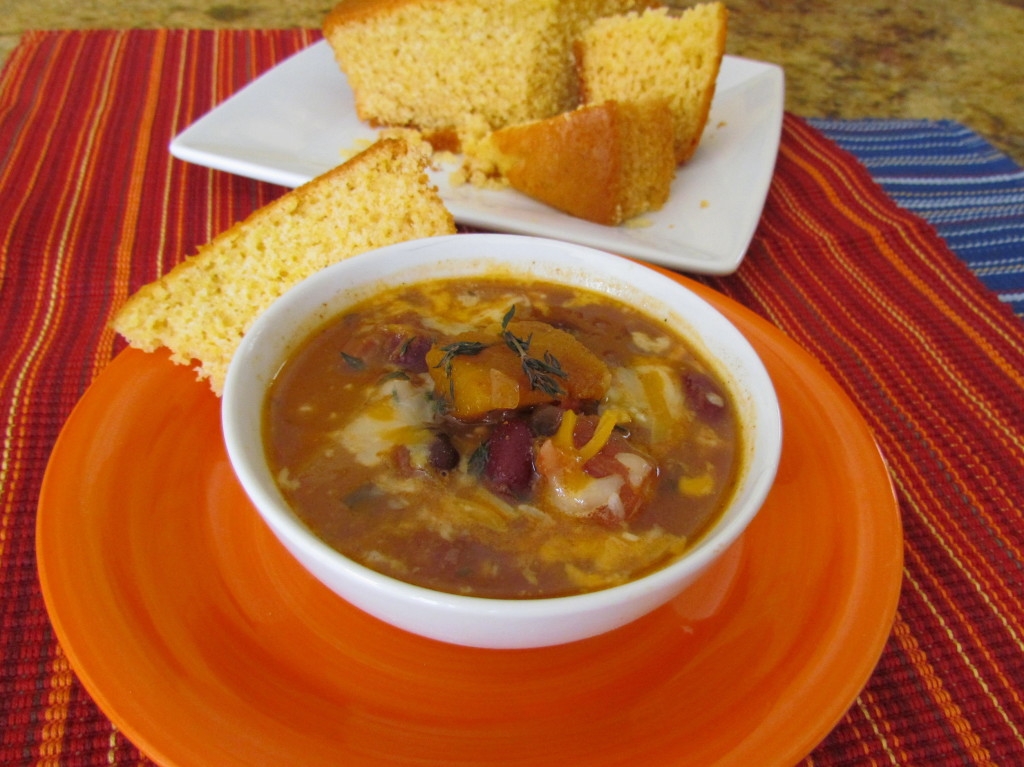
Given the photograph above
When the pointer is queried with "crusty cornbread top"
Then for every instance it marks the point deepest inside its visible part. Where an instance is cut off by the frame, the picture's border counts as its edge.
(355, 10)
(604, 163)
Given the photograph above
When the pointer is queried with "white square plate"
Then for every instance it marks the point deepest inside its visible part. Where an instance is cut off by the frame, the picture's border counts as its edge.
(298, 120)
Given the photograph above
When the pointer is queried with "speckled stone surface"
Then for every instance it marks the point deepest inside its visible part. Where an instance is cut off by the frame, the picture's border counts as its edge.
(952, 59)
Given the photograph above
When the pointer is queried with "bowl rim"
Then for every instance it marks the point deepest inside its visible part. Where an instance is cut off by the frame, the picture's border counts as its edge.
(489, 249)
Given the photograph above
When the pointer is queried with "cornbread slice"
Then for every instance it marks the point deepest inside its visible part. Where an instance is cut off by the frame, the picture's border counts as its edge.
(435, 64)
(201, 309)
(604, 163)
(656, 54)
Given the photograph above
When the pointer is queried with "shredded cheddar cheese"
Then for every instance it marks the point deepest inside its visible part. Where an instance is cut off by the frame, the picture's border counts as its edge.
(565, 442)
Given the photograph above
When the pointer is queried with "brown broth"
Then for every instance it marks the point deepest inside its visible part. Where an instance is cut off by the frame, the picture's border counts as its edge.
(351, 430)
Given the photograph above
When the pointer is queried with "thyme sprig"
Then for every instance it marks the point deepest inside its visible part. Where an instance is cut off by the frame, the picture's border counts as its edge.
(453, 350)
(541, 373)
(355, 363)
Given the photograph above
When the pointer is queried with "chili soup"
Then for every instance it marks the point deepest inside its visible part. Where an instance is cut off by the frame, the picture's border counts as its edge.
(499, 438)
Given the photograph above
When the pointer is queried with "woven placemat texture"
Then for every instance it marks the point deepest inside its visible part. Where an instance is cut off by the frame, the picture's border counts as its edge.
(92, 206)
(967, 189)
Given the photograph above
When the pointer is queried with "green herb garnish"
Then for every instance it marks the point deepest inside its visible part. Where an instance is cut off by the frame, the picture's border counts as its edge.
(404, 346)
(540, 373)
(457, 349)
(478, 459)
(353, 362)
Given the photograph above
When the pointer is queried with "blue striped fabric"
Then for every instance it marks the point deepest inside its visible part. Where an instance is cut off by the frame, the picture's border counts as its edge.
(972, 193)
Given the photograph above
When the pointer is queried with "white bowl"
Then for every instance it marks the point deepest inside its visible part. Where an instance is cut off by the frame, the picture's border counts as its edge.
(477, 621)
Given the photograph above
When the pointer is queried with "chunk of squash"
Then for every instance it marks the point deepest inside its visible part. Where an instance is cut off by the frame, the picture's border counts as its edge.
(492, 376)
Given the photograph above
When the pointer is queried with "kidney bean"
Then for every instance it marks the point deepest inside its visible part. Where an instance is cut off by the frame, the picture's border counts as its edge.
(509, 467)
(442, 453)
(411, 354)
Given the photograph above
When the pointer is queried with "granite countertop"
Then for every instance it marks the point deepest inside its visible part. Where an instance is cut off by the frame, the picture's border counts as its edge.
(958, 59)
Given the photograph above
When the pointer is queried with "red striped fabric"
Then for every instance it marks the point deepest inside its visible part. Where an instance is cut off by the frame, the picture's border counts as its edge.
(92, 206)
(935, 365)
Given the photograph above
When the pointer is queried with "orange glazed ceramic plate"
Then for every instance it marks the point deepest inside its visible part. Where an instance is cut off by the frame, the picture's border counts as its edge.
(206, 643)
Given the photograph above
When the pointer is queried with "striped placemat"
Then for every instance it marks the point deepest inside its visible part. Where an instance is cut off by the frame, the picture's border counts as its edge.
(946, 173)
(92, 206)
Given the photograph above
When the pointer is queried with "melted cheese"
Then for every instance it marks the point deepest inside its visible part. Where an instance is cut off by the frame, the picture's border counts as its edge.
(396, 412)
(653, 396)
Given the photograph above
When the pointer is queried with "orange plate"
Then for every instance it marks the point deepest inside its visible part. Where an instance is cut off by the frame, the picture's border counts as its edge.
(207, 644)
